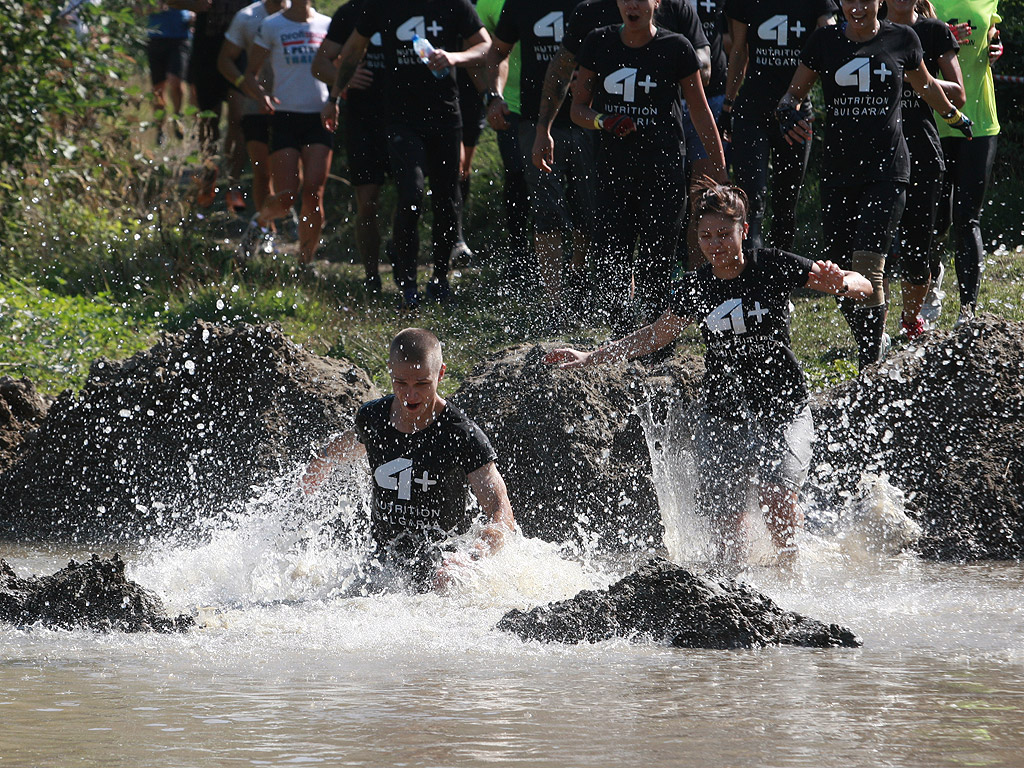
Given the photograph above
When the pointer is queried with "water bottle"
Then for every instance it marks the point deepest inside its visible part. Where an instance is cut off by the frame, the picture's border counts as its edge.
(423, 49)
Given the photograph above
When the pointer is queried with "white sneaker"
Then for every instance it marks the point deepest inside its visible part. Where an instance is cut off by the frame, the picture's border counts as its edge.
(884, 347)
(966, 316)
(252, 237)
(932, 307)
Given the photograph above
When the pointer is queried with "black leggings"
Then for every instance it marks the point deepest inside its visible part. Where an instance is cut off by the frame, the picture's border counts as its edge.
(639, 213)
(517, 200)
(914, 243)
(755, 140)
(416, 156)
(968, 168)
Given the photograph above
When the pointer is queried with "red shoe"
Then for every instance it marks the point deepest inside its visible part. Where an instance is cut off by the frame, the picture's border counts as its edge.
(235, 201)
(914, 329)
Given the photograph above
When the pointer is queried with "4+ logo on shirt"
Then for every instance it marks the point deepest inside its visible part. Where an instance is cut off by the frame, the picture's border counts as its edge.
(777, 28)
(729, 316)
(552, 25)
(623, 82)
(396, 475)
(857, 73)
(417, 25)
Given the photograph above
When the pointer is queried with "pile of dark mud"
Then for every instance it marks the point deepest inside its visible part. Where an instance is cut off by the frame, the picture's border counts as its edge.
(945, 421)
(664, 603)
(93, 595)
(195, 422)
(571, 444)
(22, 410)
(190, 425)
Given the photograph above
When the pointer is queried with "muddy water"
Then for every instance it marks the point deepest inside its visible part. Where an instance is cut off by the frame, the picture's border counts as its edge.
(284, 672)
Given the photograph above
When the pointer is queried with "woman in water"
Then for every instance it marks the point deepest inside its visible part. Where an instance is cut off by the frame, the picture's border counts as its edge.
(926, 164)
(627, 86)
(866, 166)
(755, 418)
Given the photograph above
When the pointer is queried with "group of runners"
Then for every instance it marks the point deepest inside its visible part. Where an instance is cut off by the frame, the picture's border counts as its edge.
(656, 85)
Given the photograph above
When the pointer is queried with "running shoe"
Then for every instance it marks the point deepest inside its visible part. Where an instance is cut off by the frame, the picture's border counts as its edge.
(439, 291)
(461, 255)
(235, 200)
(914, 329)
(372, 284)
(966, 316)
(932, 307)
(268, 246)
(409, 301)
(253, 237)
(884, 347)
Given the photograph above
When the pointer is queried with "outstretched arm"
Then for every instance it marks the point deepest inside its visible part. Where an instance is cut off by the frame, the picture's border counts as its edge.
(828, 277)
(644, 341)
(344, 448)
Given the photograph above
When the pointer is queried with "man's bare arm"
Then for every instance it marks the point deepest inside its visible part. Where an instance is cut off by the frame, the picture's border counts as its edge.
(341, 449)
(489, 488)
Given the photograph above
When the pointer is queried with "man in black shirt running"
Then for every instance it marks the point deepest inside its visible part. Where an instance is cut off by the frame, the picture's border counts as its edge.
(422, 120)
(424, 455)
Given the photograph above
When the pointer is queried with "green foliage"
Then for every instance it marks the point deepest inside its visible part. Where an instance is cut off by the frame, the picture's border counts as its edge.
(56, 79)
(52, 338)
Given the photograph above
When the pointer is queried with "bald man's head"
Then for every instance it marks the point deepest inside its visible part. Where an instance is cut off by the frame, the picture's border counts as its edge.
(418, 347)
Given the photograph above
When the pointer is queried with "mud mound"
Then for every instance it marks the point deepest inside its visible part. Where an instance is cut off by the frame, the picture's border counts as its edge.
(570, 443)
(183, 429)
(945, 421)
(22, 409)
(662, 602)
(93, 595)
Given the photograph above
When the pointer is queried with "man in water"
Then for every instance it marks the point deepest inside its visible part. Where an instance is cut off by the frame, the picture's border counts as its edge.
(424, 455)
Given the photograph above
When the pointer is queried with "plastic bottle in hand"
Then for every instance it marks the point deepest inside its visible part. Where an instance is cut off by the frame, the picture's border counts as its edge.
(423, 49)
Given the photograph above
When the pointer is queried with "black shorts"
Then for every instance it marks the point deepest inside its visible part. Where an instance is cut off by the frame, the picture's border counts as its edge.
(256, 128)
(211, 87)
(295, 130)
(167, 56)
(366, 145)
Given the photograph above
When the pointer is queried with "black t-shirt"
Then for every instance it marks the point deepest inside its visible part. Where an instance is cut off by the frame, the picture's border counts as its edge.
(674, 15)
(343, 24)
(644, 84)
(420, 490)
(712, 21)
(863, 87)
(776, 33)
(413, 96)
(212, 25)
(745, 322)
(539, 28)
(918, 122)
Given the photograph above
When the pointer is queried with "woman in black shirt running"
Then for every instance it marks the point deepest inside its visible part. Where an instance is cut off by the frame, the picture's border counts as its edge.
(927, 168)
(866, 167)
(755, 419)
(627, 87)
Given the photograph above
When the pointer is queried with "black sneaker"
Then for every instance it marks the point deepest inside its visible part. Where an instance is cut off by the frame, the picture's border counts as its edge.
(409, 301)
(438, 290)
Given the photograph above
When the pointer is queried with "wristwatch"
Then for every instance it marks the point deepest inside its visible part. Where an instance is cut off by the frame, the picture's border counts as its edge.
(490, 96)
